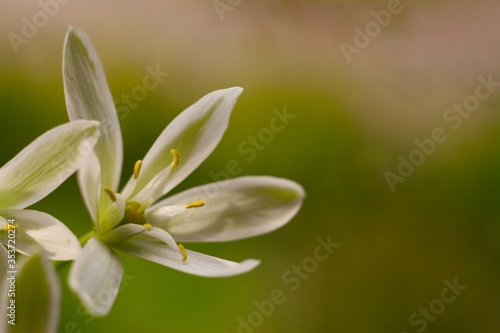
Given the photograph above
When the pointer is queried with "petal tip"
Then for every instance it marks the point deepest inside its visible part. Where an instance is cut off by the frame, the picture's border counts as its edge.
(73, 31)
(236, 89)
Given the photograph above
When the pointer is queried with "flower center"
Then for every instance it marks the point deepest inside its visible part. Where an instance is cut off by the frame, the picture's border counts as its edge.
(134, 213)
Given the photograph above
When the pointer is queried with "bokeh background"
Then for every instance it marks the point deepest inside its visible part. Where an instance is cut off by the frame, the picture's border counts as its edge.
(353, 121)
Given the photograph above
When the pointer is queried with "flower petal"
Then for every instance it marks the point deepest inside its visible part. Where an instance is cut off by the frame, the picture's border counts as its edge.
(88, 97)
(89, 181)
(47, 162)
(153, 190)
(44, 230)
(234, 209)
(95, 277)
(163, 236)
(194, 134)
(196, 264)
(37, 296)
(122, 233)
(158, 213)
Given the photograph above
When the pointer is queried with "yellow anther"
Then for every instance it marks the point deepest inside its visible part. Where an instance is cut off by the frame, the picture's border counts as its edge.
(8, 227)
(195, 204)
(183, 252)
(148, 226)
(137, 168)
(175, 162)
(110, 193)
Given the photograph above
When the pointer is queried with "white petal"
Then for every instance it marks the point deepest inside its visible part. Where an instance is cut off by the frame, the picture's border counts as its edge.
(194, 134)
(153, 190)
(37, 296)
(159, 213)
(234, 209)
(48, 277)
(196, 264)
(44, 230)
(55, 297)
(163, 236)
(127, 231)
(3, 223)
(47, 162)
(89, 181)
(122, 233)
(88, 97)
(95, 277)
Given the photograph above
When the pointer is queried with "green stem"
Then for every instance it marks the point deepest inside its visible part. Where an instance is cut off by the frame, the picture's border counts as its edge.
(85, 238)
(60, 265)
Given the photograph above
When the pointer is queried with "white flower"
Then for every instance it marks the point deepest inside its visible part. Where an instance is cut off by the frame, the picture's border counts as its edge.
(130, 221)
(30, 176)
(30, 297)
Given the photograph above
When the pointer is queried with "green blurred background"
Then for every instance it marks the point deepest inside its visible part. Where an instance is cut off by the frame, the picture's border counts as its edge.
(353, 121)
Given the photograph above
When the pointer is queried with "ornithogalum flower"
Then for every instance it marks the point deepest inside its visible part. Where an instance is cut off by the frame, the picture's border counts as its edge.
(131, 221)
(30, 176)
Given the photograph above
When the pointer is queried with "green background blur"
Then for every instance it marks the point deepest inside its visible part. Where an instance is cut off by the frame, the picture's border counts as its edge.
(352, 122)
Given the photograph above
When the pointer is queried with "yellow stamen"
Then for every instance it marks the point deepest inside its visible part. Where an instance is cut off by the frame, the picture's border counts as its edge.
(148, 226)
(184, 253)
(8, 227)
(137, 168)
(195, 204)
(110, 193)
(175, 162)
